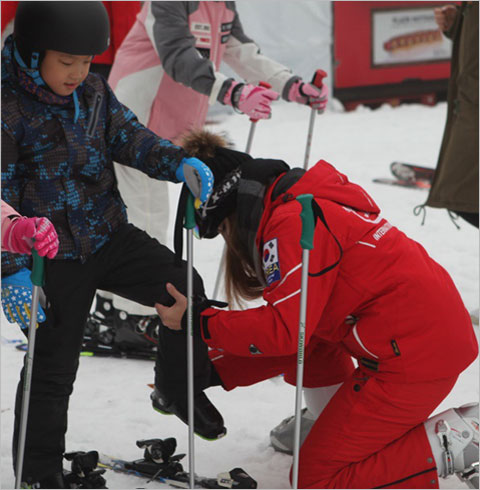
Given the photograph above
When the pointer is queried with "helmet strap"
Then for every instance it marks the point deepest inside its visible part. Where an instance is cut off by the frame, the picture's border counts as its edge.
(32, 71)
(37, 78)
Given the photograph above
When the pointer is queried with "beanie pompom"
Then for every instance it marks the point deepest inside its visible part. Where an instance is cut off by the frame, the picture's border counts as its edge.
(202, 144)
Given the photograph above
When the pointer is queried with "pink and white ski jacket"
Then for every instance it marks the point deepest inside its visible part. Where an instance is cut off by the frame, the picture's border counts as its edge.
(7, 213)
(166, 70)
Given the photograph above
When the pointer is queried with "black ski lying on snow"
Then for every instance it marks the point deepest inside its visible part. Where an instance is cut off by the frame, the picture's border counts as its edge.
(403, 183)
(409, 175)
(236, 478)
(410, 172)
(160, 464)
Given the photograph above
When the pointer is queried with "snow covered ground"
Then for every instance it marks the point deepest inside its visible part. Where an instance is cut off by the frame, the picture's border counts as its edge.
(110, 408)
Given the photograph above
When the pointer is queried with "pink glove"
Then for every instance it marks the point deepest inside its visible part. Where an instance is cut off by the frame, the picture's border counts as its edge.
(252, 100)
(308, 94)
(19, 235)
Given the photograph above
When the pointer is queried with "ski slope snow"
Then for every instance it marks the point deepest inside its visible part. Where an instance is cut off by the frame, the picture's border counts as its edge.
(110, 407)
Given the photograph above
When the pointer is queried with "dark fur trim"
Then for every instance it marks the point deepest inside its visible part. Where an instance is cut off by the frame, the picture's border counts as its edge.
(201, 143)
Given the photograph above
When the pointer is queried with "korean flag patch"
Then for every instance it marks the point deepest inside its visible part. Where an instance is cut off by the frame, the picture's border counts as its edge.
(271, 264)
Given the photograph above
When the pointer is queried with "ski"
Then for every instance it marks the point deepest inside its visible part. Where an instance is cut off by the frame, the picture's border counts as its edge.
(416, 184)
(410, 172)
(99, 350)
(85, 472)
(104, 351)
(161, 465)
(180, 479)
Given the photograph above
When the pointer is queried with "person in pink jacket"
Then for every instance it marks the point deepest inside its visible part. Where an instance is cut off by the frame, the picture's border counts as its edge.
(167, 72)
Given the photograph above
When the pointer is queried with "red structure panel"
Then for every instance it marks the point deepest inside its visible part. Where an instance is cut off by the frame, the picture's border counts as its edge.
(388, 49)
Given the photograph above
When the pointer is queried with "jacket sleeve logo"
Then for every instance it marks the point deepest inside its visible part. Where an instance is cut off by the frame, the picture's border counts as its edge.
(271, 263)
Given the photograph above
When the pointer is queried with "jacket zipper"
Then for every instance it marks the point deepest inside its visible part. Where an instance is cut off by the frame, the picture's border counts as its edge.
(92, 123)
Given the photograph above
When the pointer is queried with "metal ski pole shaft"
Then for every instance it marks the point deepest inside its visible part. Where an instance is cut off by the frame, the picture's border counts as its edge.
(37, 277)
(189, 226)
(317, 80)
(306, 242)
(251, 133)
(253, 123)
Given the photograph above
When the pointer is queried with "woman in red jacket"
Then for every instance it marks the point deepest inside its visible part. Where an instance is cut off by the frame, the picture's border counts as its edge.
(408, 331)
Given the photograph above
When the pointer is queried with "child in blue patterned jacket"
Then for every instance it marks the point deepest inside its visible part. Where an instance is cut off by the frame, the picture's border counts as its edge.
(62, 128)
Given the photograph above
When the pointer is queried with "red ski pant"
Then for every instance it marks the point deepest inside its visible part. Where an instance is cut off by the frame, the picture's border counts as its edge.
(370, 435)
(335, 367)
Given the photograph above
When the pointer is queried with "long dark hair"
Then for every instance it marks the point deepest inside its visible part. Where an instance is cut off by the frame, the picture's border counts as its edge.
(241, 281)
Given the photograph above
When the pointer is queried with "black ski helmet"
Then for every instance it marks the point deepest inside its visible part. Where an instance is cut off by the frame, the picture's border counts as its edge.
(78, 28)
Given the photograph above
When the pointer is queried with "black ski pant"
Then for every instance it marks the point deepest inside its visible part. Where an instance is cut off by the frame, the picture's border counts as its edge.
(132, 265)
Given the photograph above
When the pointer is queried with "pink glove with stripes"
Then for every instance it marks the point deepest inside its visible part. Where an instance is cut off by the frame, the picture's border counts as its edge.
(252, 100)
(20, 235)
(308, 94)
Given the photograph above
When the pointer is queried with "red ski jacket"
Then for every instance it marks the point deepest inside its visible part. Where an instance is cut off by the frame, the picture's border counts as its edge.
(412, 324)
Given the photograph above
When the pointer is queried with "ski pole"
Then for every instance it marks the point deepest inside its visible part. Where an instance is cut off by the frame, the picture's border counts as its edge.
(37, 278)
(306, 242)
(317, 80)
(253, 123)
(189, 226)
(251, 132)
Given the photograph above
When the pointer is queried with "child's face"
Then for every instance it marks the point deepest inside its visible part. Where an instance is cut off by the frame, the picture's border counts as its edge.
(63, 72)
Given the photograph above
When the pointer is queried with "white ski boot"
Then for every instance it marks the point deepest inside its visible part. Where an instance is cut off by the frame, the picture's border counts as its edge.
(281, 437)
(474, 315)
(453, 436)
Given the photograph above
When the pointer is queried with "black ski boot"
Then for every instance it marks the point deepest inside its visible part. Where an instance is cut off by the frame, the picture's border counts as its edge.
(208, 422)
(113, 332)
(158, 459)
(84, 473)
(55, 480)
(99, 325)
(136, 332)
(103, 311)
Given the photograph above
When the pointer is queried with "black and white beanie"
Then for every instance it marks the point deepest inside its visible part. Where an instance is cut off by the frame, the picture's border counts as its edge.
(240, 184)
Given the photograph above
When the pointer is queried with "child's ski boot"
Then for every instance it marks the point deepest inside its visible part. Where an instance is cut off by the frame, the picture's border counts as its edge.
(208, 420)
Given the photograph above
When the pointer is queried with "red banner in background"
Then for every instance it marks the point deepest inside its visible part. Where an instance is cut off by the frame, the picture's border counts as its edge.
(8, 12)
(388, 49)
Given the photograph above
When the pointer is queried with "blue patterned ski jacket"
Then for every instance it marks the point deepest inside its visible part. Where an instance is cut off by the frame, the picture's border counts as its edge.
(58, 162)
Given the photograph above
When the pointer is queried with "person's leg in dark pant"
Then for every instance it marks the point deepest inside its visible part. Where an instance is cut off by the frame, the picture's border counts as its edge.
(138, 267)
(70, 288)
(133, 265)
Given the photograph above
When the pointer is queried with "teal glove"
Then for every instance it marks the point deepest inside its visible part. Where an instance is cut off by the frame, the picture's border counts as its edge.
(17, 299)
(197, 176)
